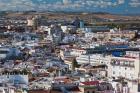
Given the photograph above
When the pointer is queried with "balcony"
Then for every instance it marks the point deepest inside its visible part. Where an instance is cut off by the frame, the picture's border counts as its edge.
(123, 64)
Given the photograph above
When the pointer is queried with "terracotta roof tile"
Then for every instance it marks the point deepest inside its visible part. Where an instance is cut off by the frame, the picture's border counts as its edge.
(90, 83)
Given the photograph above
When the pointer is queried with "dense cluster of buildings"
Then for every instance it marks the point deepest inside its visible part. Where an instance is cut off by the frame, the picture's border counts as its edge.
(67, 57)
(13, 83)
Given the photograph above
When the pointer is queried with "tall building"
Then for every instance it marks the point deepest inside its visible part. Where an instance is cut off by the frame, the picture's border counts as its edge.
(76, 22)
(30, 21)
(82, 24)
(33, 22)
(126, 67)
(56, 33)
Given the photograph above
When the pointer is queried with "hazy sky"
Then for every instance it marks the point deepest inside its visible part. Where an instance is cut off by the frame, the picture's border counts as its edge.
(113, 6)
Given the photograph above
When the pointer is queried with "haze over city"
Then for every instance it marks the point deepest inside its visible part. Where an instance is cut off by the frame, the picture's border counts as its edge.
(69, 46)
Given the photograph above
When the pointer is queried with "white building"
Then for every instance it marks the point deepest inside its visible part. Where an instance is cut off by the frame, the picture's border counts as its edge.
(69, 38)
(7, 90)
(77, 51)
(93, 59)
(127, 67)
(64, 28)
(8, 52)
(30, 22)
(46, 29)
(124, 67)
(89, 35)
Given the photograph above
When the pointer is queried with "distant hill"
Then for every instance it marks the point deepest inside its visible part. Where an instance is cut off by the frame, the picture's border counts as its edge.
(88, 17)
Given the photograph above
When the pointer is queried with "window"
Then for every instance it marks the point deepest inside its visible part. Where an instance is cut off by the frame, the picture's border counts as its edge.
(88, 92)
(113, 72)
(119, 73)
(108, 88)
(93, 91)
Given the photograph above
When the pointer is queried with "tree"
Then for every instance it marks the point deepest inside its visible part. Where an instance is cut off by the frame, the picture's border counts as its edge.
(74, 64)
(25, 71)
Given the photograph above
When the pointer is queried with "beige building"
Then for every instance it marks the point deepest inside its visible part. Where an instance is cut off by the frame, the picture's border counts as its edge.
(30, 21)
(69, 62)
(105, 36)
(122, 34)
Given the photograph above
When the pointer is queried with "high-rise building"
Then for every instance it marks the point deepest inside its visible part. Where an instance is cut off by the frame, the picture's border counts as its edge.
(33, 22)
(76, 22)
(81, 24)
(30, 21)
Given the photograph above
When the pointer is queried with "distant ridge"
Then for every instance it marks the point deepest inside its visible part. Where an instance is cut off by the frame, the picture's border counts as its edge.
(70, 12)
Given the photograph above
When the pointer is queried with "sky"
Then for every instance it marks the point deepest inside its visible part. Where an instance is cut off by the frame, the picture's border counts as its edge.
(111, 6)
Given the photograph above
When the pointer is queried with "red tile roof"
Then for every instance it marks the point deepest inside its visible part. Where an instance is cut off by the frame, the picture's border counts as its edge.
(39, 91)
(90, 83)
(130, 57)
